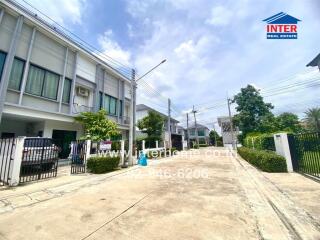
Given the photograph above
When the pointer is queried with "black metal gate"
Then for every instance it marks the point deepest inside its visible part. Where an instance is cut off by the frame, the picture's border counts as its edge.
(39, 159)
(305, 153)
(78, 157)
(7, 150)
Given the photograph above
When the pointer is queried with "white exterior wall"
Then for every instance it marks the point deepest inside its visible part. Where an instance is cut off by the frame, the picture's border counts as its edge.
(24, 40)
(48, 54)
(6, 31)
(111, 85)
(49, 126)
(86, 68)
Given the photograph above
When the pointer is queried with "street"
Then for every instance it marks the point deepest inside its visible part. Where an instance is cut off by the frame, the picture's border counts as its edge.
(209, 195)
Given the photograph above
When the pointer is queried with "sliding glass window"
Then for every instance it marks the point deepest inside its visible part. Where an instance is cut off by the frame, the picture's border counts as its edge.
(66, 90)
(2, 61)
(42, 83)
(16, 74)
(35, 80)
(110, 104)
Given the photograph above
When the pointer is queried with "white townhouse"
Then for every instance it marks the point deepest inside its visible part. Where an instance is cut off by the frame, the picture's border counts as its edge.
(47, 78)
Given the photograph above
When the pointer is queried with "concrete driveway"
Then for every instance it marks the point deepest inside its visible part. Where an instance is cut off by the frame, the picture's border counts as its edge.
(204, 196)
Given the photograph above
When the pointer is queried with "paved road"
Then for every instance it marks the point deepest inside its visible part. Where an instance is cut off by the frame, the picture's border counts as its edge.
(199, 197)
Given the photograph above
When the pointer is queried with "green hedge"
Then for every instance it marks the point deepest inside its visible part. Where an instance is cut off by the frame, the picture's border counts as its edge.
(265, 160)
(103, 164)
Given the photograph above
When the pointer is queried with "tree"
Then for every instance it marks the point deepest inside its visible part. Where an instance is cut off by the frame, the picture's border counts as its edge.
(214, 136)
(254, 115)
(288, 122)
(313, 119)
(152, 125)
(96, 126)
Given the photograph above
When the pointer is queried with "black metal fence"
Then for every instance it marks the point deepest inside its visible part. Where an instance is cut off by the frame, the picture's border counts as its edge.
(78, 156)
(305, 153)
(39, 159)
(7, 150)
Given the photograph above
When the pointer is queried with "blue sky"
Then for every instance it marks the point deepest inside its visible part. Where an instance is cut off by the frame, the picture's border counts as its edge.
(213, 48)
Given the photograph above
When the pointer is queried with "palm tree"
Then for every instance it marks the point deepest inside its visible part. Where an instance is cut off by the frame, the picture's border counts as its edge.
(313, 118)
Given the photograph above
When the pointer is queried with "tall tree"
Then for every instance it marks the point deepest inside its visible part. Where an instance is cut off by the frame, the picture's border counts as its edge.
(152, 125)
(288, 122)
(96, 126)
(215, 139)
(254, 115)
(313, 119)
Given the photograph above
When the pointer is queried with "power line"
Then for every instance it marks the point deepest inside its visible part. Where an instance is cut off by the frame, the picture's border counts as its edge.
(114, 61)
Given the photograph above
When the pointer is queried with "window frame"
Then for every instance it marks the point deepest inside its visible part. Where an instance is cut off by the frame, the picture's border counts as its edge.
(5, 58)
(43, 83)
(66, 79)
(24, 66)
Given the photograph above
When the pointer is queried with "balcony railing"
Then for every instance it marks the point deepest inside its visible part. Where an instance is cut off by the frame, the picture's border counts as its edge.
(77, 108)
(125, 120)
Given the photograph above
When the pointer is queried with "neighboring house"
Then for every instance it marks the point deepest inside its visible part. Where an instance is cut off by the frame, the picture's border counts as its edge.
(226, 133)
(142, 111)
(51, 79)
(203, 134)
(315, 62)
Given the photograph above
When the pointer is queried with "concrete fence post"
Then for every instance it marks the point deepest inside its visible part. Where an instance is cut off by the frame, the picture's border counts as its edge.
(122, 153)
(157, 144)
(88, 148)
(282, 148)
(143, 145)
(16, 165)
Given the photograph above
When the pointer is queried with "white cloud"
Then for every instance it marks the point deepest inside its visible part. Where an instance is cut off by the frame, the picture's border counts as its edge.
(61, 11)
(111, 48)
(220, 16)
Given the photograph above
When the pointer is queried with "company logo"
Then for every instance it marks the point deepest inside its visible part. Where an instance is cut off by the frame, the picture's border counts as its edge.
(282, 26)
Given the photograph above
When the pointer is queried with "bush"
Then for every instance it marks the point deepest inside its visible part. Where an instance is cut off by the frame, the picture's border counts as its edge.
(265, 160)
(103, 164)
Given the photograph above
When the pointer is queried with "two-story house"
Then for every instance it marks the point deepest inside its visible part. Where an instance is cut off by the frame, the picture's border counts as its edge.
(198, 131)
(142, 111)
(47, 78)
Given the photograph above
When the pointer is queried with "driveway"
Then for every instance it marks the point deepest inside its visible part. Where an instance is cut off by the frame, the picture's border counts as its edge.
(203, 196)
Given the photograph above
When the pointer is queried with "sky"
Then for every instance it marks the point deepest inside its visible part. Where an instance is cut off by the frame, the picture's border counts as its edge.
(212, 47)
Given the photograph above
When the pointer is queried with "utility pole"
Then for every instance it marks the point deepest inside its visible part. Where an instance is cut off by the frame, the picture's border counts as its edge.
(131, 126)
(231, 124)
(169, 122)
(134, 115)
(195, 124)
(188, 144)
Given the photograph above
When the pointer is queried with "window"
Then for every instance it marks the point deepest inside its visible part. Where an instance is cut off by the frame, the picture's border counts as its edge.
(110, 104)
(2, 61)
(113, 106)
(42, 83)
(106, 103)
(100, 100)
(201, 133)
(66, 90)
(192, 132)
(16, 74)
(121, 107)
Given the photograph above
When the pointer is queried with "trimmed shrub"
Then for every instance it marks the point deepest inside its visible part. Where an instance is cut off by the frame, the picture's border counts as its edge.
(103, 164)
(265, 160)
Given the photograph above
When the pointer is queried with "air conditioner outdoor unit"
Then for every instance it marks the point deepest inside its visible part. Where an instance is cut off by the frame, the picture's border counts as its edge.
(82, 92)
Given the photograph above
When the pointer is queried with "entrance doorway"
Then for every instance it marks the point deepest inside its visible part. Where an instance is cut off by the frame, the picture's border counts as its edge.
(63, 140)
